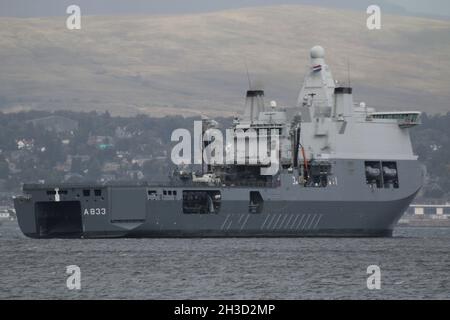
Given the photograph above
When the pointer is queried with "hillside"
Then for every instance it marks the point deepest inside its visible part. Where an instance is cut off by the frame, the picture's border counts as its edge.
(191, 64)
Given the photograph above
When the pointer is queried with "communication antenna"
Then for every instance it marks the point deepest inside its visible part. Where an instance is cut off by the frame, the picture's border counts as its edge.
(248, 76)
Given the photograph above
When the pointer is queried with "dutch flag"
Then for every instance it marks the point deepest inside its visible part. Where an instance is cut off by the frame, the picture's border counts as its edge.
(317, 68)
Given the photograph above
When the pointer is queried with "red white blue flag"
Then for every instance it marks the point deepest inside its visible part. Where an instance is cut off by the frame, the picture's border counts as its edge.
(317, 68)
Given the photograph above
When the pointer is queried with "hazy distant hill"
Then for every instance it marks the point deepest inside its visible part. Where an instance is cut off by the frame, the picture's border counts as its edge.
(190, 64)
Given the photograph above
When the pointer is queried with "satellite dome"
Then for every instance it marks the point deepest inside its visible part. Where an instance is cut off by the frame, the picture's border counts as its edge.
(317, 52)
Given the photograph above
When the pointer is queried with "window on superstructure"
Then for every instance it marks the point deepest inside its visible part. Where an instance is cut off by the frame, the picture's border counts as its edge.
(152, 195)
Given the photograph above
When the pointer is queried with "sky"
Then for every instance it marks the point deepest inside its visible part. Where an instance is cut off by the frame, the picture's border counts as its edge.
(43, 8)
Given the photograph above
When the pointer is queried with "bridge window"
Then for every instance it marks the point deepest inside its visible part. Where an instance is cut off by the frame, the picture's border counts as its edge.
(404, 119)
(152, 195)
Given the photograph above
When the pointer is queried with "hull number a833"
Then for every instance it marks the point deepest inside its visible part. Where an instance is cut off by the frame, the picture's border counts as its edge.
(95, 212)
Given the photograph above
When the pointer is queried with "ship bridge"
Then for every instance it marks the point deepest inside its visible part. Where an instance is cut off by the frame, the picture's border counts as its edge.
(405, 119)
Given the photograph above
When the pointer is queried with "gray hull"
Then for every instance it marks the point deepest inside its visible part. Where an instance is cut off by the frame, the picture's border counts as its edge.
(348, 208)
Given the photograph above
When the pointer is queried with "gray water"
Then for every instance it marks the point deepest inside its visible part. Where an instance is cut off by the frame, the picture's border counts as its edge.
(415, 263)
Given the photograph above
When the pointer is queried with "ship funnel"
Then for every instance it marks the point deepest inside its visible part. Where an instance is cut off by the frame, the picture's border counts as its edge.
(254, 104)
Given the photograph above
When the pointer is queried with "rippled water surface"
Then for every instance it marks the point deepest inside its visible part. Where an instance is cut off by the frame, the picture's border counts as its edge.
(415, 263)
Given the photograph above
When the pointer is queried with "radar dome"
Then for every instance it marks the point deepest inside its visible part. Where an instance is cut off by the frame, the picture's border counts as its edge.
(317, 52)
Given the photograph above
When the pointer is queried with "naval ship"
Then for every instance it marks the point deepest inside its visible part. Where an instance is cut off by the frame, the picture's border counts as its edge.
(344, 170)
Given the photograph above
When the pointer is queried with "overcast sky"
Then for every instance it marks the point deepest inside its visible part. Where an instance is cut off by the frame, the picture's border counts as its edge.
(39, 8)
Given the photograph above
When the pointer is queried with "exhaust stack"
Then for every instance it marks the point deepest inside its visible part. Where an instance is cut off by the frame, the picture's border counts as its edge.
(254, 104)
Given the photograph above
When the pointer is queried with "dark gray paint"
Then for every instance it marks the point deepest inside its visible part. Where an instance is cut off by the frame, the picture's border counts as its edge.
(352, 208)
